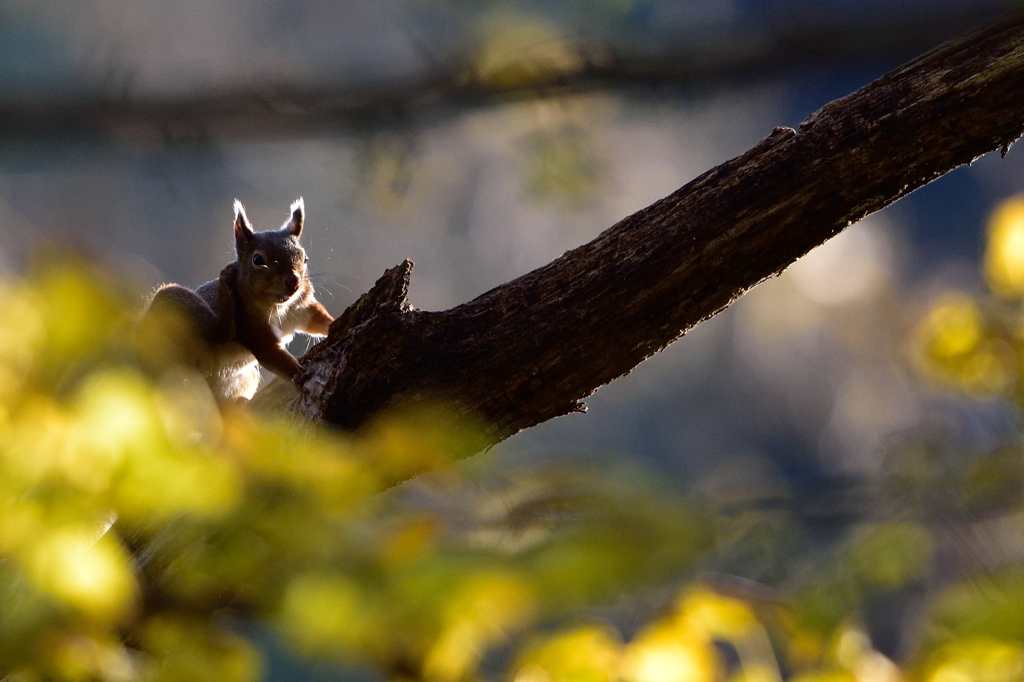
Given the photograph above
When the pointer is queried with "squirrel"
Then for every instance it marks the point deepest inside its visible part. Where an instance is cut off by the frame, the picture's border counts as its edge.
(244, 317)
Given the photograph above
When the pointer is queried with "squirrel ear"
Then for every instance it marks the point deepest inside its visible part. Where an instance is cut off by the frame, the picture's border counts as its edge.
(243, 228)
(294, 224)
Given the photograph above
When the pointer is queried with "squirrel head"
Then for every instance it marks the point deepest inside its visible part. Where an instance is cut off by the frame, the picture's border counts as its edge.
(271, 264)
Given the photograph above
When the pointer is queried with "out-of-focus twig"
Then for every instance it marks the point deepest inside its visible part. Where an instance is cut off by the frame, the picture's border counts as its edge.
(450, 87)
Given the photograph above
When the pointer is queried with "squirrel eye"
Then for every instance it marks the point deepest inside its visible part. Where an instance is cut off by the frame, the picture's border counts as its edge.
(305, 259)
(257, 259)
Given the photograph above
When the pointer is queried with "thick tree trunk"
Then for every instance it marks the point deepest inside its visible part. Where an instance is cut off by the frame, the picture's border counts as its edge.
(533, 348)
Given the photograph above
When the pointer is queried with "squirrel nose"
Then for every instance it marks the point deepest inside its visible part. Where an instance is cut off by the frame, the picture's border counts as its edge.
(292, 282)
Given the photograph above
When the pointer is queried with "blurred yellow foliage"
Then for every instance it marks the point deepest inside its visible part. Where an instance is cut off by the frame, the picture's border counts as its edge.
(952, 329)
(827, 676)
(328, 614)
(522, 52)
(98, 460)
(890, 555)
(145, 534)
(22, 332)
(188, 649)
(1003, 263)
(976, 344)
(716, 616)
(669, 652)
(585, 654)
(680, 647)
(134, 510)
(957, 347)
(977, 660)
(484, 610)
(81, 658)
(93, 576)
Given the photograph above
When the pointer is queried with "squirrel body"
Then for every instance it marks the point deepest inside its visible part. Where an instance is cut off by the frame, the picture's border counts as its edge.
(229, 326)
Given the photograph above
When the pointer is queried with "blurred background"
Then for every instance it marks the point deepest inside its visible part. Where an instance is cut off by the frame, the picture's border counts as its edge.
(482, 140)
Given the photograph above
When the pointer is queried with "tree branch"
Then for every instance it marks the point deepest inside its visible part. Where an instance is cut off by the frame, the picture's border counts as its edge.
(533, 348)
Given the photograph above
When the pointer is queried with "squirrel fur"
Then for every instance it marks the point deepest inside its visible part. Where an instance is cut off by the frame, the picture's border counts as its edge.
(244, 317)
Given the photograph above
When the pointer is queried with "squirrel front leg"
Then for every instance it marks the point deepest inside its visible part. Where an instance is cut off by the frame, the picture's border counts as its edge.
(319, 320)
(271, 355)
(279, 361)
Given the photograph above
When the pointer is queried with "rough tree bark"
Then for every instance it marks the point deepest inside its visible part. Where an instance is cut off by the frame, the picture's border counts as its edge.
(532, 349)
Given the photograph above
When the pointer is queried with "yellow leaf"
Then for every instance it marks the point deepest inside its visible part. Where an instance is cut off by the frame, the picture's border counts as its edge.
(1003, 263)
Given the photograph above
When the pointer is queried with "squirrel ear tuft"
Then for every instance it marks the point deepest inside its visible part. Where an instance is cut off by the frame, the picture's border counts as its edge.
(294, 224)
(243, 228)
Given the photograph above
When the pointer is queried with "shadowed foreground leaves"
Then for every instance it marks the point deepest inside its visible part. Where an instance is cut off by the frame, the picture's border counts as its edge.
(138, 517)
(145, 535)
